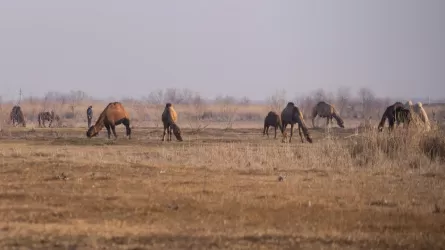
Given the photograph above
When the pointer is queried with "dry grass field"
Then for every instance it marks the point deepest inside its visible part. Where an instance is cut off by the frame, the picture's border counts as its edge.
(220, 189)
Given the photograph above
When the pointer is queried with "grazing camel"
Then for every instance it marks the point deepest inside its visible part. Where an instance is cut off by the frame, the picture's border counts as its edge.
(169, 118)
(395, 113)
(17, 116)
(47, 116)
(272, 120)
(419, 114)
(323, 109)
(292, 115)
(113, 115)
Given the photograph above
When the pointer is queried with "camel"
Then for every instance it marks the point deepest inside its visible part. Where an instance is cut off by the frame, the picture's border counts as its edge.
(323, 109)
(17, 116)
(420, 114)
(47, 116)
(272, 120)
(169, 118)
(396, 113)
(113, 115)
(292, 115)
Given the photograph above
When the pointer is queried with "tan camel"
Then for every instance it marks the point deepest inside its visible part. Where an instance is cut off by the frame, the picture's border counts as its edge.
(169, 118)
(419, 114)
(323, 109)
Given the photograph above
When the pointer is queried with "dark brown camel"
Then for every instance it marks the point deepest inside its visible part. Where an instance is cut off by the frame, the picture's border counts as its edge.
(272, 120)
(395, 113)
(292, 115)
(17, 116)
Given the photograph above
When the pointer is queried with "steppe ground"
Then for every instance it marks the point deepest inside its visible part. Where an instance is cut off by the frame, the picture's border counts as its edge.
(218, 189)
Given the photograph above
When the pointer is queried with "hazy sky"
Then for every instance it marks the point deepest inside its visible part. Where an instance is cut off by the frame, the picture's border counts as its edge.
(236, 47)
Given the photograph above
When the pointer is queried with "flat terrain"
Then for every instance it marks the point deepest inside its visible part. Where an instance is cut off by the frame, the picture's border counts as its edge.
(218, 189)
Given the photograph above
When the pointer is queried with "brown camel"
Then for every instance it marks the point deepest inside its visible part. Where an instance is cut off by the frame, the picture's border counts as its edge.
(169, 118)
(17, 116)
(292, 115)
(395, 113)
(47, 116)
(323, 109)
(272, 120)
(113, 115)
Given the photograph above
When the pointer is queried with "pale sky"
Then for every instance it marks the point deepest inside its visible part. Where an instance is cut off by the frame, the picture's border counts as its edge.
(235, 47)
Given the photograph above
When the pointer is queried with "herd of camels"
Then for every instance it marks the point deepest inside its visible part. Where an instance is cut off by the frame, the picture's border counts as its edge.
(114, 114)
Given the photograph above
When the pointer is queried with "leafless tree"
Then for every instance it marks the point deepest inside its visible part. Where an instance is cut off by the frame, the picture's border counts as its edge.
(277, 101)
(343, 97)
(320, 95)
(367, 99)
(76, 97)
(197, 121)
(156, 97)
(228, 109)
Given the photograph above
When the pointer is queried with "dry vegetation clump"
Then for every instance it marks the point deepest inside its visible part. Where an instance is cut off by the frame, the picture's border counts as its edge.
(433, 145)
(401, 148)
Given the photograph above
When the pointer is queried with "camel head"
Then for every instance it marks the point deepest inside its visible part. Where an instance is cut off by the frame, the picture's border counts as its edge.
(340, 123)
(290, 104)
(92, 131)
(308, 138)
(380, 128)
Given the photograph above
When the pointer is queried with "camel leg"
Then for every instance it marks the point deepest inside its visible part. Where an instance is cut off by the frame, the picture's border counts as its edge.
(267, 131)
(291, 132)
(391, 123)
(113, 128)
(108, 130)
(50, 123)
(313, 122)
(127, 128)
(169, 129)
(284, 130)
(275, 137)
(301, 134)
(264, 129)
(163, 134)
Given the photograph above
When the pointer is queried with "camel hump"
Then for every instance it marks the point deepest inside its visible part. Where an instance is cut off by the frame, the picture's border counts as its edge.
(115, 111)
(172, 114)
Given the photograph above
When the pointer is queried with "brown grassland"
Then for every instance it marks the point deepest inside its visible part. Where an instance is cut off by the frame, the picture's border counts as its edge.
(221, 189)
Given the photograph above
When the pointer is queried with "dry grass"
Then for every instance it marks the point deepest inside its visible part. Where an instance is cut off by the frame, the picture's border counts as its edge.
(220, 189)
